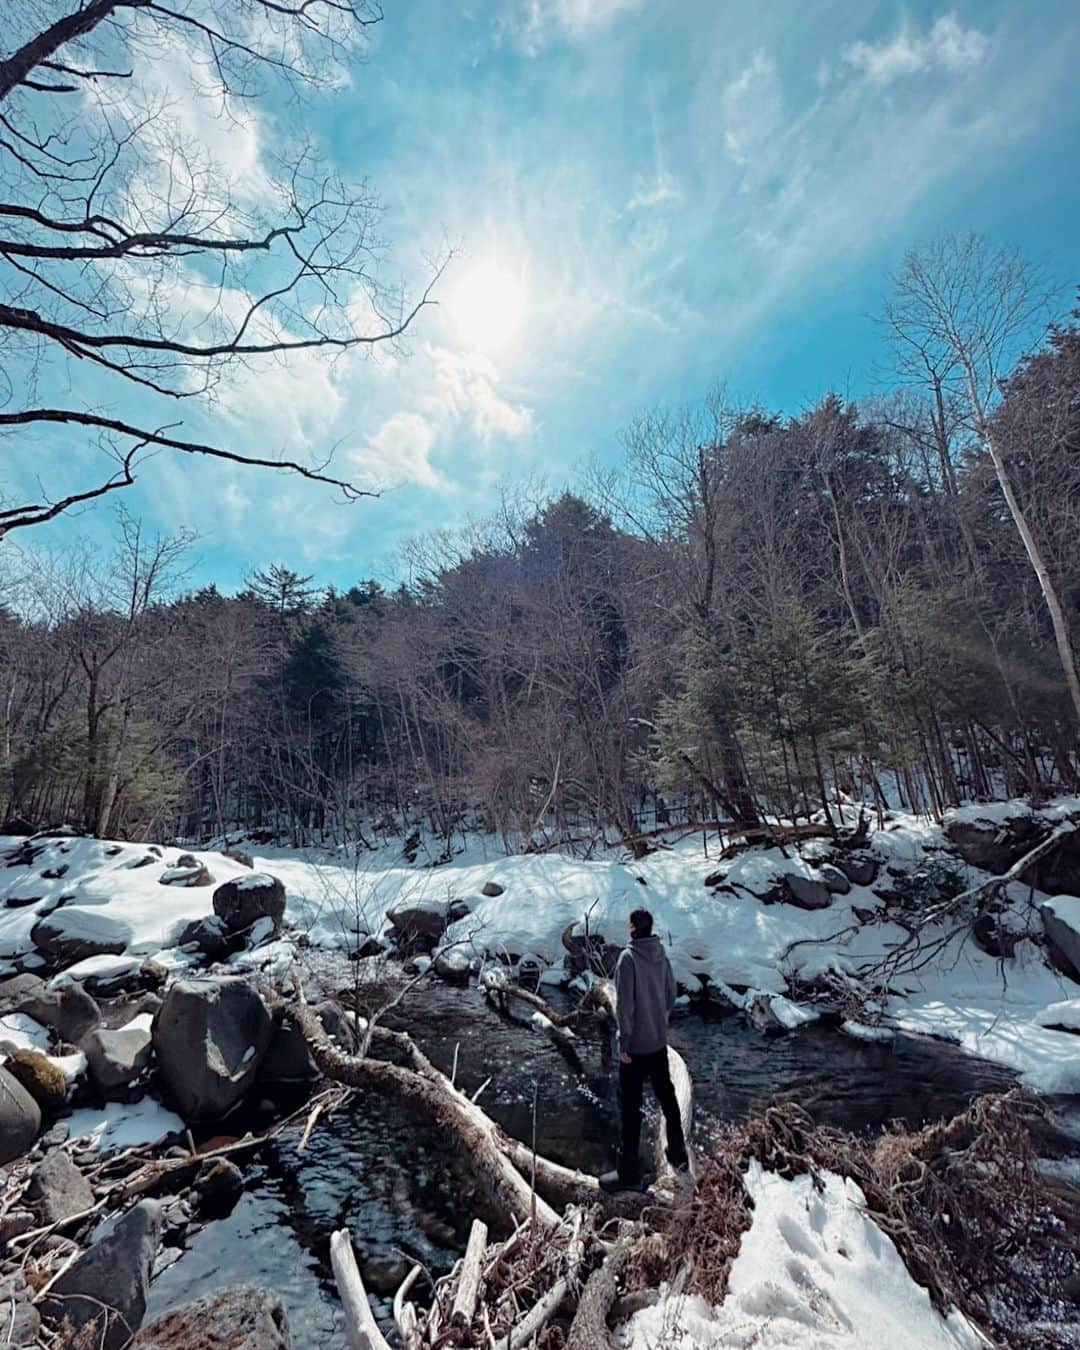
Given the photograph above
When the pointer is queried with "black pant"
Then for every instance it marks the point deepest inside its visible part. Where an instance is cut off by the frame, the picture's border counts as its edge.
(632, 1078)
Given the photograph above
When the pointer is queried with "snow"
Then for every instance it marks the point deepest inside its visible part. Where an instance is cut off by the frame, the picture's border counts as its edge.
(254, 881)
(1066, 909)
(862, 1032)
(792, 1015)
(124, 1125)
(1064, 1014)
(97, 967)
(19, 1032)
(813, 1271)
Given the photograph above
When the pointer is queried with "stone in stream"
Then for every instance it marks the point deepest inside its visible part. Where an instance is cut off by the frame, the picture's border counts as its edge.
(116, 1058)
(20, 1118)
(69, 1010)
(760, 1013)
(247, 1318)
(218, 1186)
(57, 1188)
(417, 925)
(242, 903)
(209, 1038)
(288, 1059)
(106, 1287)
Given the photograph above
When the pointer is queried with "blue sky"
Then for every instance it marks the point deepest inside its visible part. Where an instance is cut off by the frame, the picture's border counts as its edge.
(642, 199)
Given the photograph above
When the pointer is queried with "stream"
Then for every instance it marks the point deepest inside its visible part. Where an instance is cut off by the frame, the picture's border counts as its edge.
(389, 1178)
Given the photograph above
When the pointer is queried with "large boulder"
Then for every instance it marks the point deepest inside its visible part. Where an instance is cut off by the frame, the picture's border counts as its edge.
(75, 932)
(116, 1058)
(235, 1319)
(806, 892)
(241, 903)
(210, 936)
(288, 1059)
(57, 1188)
(106, 1287)
(68, 1010)
(417, 925)
(1061, 923)
(209, 1038)
(991, 844)
(861, 869)
(20, 1118)
(835, 879)
(1058, 872)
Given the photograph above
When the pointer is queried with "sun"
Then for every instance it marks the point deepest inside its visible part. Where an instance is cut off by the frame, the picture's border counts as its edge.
(489, 305)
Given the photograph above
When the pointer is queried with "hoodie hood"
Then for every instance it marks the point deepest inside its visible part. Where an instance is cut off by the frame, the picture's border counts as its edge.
(647, 948)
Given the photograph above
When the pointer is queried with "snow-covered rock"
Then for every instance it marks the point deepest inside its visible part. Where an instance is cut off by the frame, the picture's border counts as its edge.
(247, 899)
(67, 1008)
(74, 933)
(1061, 923)
(116, 1058)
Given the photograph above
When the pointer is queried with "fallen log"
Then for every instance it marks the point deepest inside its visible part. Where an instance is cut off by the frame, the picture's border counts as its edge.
(589, 1329)
(469, 1279)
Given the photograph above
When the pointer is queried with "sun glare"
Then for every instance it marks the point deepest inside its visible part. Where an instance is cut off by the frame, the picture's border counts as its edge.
(489, 307)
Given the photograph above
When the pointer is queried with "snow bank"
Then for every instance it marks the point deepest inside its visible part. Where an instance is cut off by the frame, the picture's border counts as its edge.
(119, 1125)
(813, 1271)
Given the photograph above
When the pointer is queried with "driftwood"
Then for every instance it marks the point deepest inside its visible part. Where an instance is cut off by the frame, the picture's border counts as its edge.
(361, 1330)
(469, 1280)
(589, 1330)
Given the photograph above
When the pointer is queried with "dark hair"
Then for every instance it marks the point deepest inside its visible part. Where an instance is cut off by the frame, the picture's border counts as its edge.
(640, 922)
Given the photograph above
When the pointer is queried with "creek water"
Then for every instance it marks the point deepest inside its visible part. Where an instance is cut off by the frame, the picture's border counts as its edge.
(395, 1184)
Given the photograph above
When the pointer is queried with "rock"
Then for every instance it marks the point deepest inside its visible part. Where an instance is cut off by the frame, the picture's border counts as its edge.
(760, 1013)
(239, 856)
(715, 878)
(836, 881)
(57, 1188)
(17, 825)
(1061, 923)
(243, 902)
(864, 915)
(21, 1320)
(383, 1274)
(806, 892)
(210, 936)
(492, 889)
(218, 1186)
(993, 937)
(39, 1076)
(114, 1272)
(288, 1059)
(116, 1058)
(418, 925)
(75, 932)
(20, 1118)
(236, 1319)
(14, 1223)
(210, 1037)
(186, 871)
(453, 965)
(68, 1010)
(713, 1000)
(994, 845)
(860, 868)
(1058, 872)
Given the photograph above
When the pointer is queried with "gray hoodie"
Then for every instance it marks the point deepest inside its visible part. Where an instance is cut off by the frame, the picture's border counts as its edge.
(645, 994)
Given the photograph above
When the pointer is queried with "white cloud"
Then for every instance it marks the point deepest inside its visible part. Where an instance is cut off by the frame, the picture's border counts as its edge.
(547, 21)
(752, 108)
(465, 388)
(946, 47)
(659, 190)
(398, 452)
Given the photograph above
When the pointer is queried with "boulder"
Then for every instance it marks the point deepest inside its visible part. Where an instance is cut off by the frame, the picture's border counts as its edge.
(836, 881)
(75, 932)
(1058, 872)
(20, 1118)
(761, 1015)
(861, 869)
(210, 936)
(1061, 923)
(288, 1059)
(235, 1319)
(106, 1287)
(454, 964)
(806, 892)
(239, 856)
(241, 903)
(491, 889)
(209, 1038)
(417, 925)
(57, 1188)
(994, 845)
(116, 1058)
(187, 871)
(69, 1010)
(44, 1081)
(17, 825)
(992, 937)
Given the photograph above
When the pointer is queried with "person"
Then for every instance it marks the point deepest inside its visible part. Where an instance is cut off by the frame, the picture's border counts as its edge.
(645, 996)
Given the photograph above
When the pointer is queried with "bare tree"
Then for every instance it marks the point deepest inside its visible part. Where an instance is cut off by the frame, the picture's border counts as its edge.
(129, 254)
(961, 314)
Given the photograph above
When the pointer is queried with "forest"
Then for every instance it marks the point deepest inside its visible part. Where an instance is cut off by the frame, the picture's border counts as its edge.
(750, 614)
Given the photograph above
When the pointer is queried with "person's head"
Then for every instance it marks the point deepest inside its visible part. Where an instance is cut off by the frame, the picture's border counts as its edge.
(640, 923)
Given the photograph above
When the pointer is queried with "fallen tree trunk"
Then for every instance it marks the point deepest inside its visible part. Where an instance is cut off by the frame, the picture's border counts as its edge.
(589, 1329)
(361, 1330)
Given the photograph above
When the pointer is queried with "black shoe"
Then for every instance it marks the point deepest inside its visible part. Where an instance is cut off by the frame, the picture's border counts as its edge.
(613, 1182)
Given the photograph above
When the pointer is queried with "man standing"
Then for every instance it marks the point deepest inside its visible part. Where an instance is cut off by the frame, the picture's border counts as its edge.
(645, 995)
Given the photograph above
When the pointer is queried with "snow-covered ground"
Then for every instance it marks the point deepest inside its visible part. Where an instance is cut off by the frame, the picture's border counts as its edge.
(814, 1272)
(1005, 1011)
